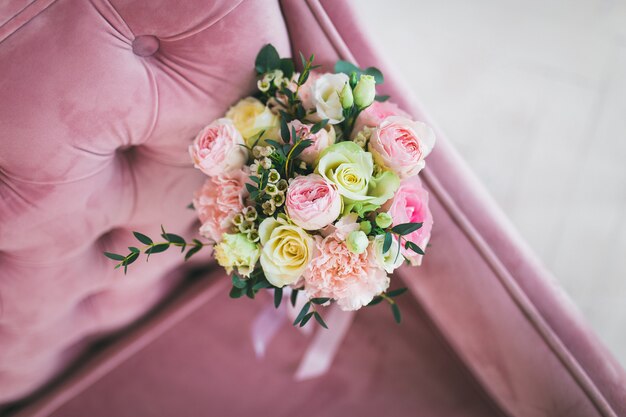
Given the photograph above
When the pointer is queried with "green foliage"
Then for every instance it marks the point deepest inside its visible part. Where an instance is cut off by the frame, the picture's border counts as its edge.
(349, 68)
(387, 242)
(267, 59)
(412, 246)
(406, 228)
(153, 247)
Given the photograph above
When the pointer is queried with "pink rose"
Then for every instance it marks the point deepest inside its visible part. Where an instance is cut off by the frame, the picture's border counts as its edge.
(373, 115)
(217, 202)
(410, 205)
(305, 93)
(342, 275)
(216, 150)
(401, 144)
(321, 140)
(311, 202)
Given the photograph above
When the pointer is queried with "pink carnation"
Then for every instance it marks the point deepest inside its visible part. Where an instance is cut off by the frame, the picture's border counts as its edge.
(346, 277)
(373, 115)
(217, 202)
(401, 144)
(218, 149)
(410, 204)
(321, 140)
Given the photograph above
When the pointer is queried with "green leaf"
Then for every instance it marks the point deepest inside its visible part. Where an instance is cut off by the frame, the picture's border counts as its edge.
(375, 301)
(143, 238)
(412, 246)
(287, 67)
(132, 258)
(396, 292)
(251, 188)
(261, 284)
(381, 98)
(294, 297)
(375, 72)
(133, 249)
(320, 300)
(396, 313)
(238, 282)
(406, 228)
(302, 313)
(301, 146)
(387, 242)
(319, 126)
(237, 292)
(294, 135)
(161, 247)
(194, 250)
(267, 59)
(278, 296)
(114, 256)
(173, 238)
(320, 320)
(255, 179)
(302, 59)
(306, 319)
(346, 67)
(190, 206)
(284, 130)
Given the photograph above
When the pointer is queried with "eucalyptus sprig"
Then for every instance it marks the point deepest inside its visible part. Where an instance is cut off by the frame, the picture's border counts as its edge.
(389, 297)
(151, 247)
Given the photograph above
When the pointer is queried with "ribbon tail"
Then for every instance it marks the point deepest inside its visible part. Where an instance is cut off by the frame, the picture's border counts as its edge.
(322, 350)
(265, 326)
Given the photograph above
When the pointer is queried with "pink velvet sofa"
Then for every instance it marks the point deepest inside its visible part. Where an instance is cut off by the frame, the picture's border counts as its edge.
(99, 101)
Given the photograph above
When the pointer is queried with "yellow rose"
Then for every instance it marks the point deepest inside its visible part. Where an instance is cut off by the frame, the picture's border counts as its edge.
(251, 117)
(287, 250)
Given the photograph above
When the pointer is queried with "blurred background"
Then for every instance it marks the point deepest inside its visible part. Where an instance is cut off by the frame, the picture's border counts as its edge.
(533, 95)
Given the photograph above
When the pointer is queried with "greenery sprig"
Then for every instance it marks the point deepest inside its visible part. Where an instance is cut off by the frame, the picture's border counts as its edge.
(152, 247)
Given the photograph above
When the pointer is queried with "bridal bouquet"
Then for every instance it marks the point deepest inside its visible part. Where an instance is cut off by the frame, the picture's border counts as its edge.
(311, 185)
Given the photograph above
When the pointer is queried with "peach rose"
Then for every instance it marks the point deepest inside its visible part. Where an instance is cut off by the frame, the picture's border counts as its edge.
(217, 148)
(410, 205)
(373, 115)
(217, 202)
(400, 145)
(321, 140)
(312, 202)
(349, 278)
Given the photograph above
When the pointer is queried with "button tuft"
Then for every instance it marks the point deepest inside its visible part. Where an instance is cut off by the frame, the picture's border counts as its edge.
(145, 45)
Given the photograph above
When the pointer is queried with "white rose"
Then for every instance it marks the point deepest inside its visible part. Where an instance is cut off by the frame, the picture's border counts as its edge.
(390, 260)
(326, 96)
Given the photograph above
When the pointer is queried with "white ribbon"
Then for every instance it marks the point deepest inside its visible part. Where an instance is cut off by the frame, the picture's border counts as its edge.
(321, 351)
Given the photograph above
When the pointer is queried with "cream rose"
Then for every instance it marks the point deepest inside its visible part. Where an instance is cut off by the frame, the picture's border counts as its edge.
(326, 96)
(251, 117)
(287, 250)
(350, 168)
(217, 148)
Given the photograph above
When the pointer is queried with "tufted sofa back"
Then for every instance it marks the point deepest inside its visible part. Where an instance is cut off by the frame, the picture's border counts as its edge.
(99, 101)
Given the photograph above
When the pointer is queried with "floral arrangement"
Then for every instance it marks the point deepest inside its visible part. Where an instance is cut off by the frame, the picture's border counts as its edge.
(312, 185)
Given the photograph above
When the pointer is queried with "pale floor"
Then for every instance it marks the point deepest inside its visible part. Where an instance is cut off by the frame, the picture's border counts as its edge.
(533, 95)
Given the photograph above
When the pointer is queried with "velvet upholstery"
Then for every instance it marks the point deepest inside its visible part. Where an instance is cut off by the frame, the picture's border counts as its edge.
(100, 100)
